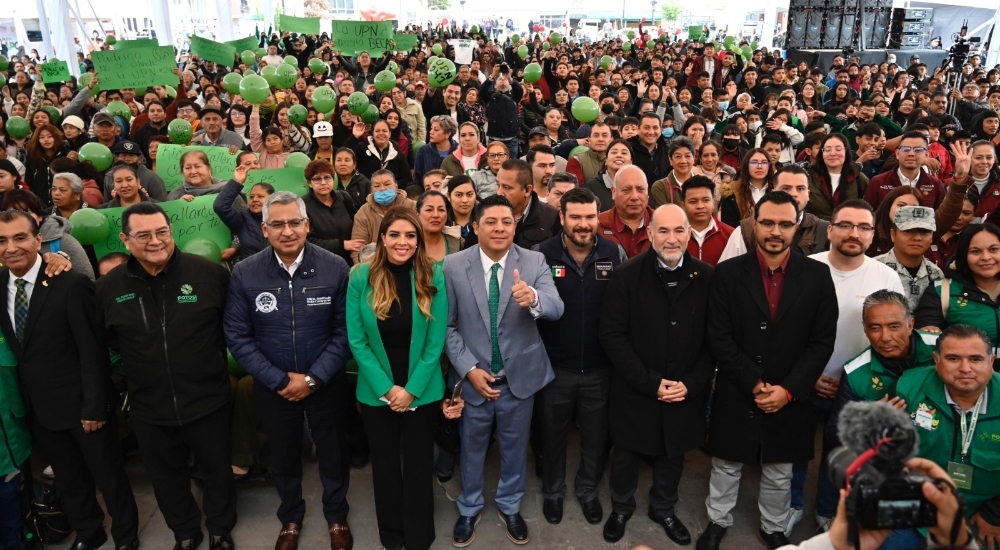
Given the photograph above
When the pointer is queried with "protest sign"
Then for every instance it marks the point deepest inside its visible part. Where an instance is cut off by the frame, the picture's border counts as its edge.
(189, 220)
(353, 37)
(405, 42)
(694, 32)
(243, 44)
(210, 50)
(168, 162)
(282, 179)
(302, 25)
(463, 50)
(136, 67)
(55, 71)
(137, 43)
(8, 33)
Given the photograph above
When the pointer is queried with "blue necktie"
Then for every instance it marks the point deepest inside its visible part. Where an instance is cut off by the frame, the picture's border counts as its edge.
(20, 309)
(496, 364)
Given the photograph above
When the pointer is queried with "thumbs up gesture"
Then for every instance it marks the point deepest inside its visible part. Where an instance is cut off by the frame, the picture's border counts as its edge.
(523, 294)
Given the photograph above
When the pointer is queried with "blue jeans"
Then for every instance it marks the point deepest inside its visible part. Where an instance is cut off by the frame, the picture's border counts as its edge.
(903, 539)
(827, 496)
(10, 512)
(511, 144)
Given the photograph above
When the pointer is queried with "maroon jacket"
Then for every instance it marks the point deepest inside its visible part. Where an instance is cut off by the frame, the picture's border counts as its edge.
(698, 65)
(715, 242)
(931, 188)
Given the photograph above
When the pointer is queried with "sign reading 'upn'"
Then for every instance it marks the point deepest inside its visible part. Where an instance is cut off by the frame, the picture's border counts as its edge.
(351, 37)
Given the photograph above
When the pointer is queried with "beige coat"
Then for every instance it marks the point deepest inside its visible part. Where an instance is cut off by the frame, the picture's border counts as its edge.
(369, 217)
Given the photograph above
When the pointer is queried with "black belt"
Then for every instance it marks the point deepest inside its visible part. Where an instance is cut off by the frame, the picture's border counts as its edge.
(498, 381)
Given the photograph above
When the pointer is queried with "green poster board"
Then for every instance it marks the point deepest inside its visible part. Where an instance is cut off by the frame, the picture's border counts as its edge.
(302, 25)
(405, 42)
(352, 37)
(136, 67)
(168, 162)
(55, 71)
(282, 179)
(694, 32)
(190, 220)
(139, 43)
(243, 44)
(210, 50)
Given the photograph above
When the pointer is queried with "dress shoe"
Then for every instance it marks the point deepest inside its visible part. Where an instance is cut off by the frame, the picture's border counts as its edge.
(465, 530)
(517, 529)
(340, 536)
(129, 546)
(592, 511)
(674, 528)
(221, 542)
(552, 509)
(712, 537)
(773, 540)
(92, 544)
(288, 538)
(614, 529)
(190, 544)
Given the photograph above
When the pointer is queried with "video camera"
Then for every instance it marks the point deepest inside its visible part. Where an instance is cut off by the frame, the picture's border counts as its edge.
(959, 51)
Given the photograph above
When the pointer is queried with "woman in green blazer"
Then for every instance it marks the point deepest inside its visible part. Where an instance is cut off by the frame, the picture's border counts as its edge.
(397, 311)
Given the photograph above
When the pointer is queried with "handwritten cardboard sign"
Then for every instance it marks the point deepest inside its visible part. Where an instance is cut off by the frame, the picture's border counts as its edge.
(352, 37)
(302, 25)
(189, 220)
(168, 162)
(55, 71)
(210, 50)
(136, 67)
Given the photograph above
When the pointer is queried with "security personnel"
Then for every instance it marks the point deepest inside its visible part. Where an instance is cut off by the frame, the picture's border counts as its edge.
(581, 264)
(955, 407)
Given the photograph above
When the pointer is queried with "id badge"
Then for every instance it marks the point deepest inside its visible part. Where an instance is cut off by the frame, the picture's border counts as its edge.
(602, 270)
(961, 474)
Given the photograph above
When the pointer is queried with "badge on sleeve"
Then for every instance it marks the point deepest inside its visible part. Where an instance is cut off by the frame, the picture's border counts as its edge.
(602, 270)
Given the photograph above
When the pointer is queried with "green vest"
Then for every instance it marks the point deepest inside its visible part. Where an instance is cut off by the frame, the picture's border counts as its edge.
(941, 443)
(871, 381)
(13, 415)
(590, 163)
(975, 311)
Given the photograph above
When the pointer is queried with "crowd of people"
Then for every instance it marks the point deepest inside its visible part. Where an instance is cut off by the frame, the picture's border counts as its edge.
(733, 248)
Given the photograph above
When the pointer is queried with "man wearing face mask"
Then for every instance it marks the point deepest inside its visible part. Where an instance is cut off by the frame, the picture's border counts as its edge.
(128, 152)
(732, 152)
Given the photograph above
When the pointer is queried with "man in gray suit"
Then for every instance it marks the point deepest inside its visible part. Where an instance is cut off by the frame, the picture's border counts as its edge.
(497, 289)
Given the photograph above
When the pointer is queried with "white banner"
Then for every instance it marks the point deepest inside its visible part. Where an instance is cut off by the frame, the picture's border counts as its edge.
(8, 33)
(463, 50)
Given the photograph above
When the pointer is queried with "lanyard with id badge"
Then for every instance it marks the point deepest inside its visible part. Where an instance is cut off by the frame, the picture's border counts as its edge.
(961, 472)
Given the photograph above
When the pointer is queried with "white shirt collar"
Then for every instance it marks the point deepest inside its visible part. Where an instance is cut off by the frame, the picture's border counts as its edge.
(32, 275)
(954, 405)
(905, 180)
(700, 235)
(488, 262)
(667, 267)
(295, 265)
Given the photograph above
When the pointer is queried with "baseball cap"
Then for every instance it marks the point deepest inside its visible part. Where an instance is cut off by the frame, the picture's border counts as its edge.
(540, 131)
(206, 110)
(126, 147)
(103, 117)
(74, 121)
(583, 132)
(419, 83)
(322, 129)
(914, 217)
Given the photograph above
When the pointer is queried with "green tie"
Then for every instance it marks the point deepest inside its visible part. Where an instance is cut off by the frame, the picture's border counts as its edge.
(496, 364)
(20, 309)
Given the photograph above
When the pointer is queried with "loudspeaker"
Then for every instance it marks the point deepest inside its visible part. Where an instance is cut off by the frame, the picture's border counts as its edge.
(805, 28)
(876, 28)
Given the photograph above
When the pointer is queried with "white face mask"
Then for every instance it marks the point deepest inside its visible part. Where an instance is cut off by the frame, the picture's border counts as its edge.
(710, 128)
(754, 126)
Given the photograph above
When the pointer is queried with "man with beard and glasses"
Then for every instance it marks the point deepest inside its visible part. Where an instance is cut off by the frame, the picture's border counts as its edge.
(128, 152)
(772, 319)
(582, 264)
(652, 326)
(855, 275)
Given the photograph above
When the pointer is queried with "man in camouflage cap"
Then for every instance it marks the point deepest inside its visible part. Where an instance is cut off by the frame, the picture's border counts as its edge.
(912, 234)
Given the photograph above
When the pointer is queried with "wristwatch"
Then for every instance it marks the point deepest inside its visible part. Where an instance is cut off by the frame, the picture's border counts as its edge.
(313, 386)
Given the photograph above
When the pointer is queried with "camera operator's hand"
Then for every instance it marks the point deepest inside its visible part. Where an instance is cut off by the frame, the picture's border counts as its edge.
(869, 539)
(946, 503)
(989, 535)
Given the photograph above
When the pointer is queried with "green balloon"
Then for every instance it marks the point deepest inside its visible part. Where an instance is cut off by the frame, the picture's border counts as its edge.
(436, 48)
(474, 30)
(357, 103)
(254, 89)
(83, 81)
(385, 81)
(317, 66)
(297, 159)
(631, 34)
(204, 248)
(291, 60)
(234, 367)
(585, 109)
(754, 45)
(286, 77)
(179, 131)
(522, 51)
(297, 114)
(56, 116)
(515, 39)
(248, 72)
(18, 127)
(370, 115)
(555, 38)
(431, 60)
(532, 72)
(97, 155)
(171, 91)
(90, 225)
(393, 67)
(231, 82)
(651, 44)
(546, 46)
(416, 146)
(111, 40)
(4, 63)
(324, 99)
(663, 37)
(626, 46)
(441, 73)
(577, 150)
(261, 52)
(270, 74)
(607, 62)
(729, 40)
(248, 57)
(119, 108)
(746, 51)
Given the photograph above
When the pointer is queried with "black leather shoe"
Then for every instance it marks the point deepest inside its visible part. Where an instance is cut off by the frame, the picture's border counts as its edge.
(517, 530)
(221, 542)
(675, 529)
(92, 544)
(773, 540)
(614, 529)
(190, 544)
(465, 530)
(129, 546)
(712, 537)
(592, 511)
(552, 509)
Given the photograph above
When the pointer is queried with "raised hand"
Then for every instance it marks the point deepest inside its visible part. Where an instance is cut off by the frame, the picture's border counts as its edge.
(523, 294)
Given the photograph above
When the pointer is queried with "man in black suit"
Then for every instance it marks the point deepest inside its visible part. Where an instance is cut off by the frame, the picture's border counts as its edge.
(65, 369)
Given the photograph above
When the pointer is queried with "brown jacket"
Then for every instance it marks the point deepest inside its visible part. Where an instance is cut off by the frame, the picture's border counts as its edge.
(369, 217)
(612, 227)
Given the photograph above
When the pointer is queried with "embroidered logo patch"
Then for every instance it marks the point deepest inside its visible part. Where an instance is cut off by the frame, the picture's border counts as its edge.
(266, 302)
(125, 297)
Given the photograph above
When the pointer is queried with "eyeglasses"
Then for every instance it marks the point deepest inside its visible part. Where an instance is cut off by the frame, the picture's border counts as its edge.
(321, 179)
(496, 155)
(759, 163)
(833, 149)
(847, 227)
(280, 225)
(908, 149)
(162, 234)
(783, 226)
(185, 111)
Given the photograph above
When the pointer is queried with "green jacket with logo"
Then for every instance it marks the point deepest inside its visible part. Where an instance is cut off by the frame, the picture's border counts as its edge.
(13, 414)
(924, 391)
(967, 305)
